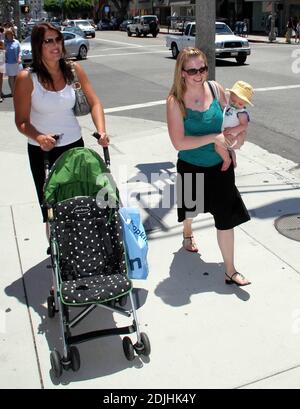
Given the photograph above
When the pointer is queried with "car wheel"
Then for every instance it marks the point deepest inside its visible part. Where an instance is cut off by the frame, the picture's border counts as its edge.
(129, 33)
(174, 50)
(82, 53)
(241, 59)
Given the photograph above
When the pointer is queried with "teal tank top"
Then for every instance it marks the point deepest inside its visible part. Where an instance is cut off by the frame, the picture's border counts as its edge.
(198, 123)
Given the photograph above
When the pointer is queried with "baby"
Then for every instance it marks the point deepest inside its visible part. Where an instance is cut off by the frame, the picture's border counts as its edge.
(235, 120)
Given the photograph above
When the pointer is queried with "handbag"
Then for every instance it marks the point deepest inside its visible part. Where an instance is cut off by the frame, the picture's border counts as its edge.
(136, 244)
(81, 106)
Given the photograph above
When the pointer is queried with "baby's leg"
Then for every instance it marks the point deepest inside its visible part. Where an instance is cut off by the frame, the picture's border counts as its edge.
(223, 152)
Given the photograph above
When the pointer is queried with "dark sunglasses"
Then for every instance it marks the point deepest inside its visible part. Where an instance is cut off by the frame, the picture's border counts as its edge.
(51, 41)
(193, 71)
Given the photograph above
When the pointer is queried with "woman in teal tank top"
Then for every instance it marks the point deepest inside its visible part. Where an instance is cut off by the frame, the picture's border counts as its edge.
(194, 117)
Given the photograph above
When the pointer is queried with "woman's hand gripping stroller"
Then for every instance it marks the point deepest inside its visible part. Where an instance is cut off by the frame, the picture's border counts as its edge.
(47, 142)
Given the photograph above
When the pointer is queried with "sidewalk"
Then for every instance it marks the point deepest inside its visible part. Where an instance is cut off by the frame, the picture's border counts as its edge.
(203, 334)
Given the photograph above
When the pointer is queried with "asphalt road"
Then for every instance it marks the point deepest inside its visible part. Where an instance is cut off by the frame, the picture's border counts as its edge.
(128, 71)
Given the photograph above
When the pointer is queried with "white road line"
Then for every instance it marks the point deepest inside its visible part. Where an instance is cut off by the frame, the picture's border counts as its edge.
(136, 106)
(276, 88)
(117, 42)
(162, 102)
(119, 54)
(132, 46)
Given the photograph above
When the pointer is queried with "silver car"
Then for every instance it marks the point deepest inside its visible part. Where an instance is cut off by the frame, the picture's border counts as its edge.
(75, 45)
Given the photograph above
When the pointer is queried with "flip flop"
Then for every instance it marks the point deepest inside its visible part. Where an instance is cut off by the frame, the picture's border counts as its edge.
(230, 279)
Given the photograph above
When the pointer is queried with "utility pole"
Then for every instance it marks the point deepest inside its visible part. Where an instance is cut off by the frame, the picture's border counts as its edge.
(206, 31)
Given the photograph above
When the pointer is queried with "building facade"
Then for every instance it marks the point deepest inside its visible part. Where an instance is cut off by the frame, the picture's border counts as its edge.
(255, 11)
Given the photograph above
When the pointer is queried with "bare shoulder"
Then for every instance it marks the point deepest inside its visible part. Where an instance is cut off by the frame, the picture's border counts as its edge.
(172, 102)
(78, 68)
(24, 76)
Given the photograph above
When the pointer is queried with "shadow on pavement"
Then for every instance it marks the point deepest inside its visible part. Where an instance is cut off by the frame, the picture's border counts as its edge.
(190, 275)
(99, 357)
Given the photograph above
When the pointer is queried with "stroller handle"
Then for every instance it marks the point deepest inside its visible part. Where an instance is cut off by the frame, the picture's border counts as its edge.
(105, 149)
(46, 154)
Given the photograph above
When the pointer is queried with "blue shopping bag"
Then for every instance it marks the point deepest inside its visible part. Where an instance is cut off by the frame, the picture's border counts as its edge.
(136, 243)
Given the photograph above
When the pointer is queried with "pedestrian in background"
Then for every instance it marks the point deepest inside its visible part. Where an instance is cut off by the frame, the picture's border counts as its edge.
(44, 99)
(13, 59)
(297, 38)
(289, 30)
(194, 117)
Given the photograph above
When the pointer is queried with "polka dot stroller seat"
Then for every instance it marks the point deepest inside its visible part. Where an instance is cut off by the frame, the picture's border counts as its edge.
(87, 251)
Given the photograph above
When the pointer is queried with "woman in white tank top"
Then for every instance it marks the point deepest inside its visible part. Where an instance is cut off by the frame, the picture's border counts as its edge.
(44, 99)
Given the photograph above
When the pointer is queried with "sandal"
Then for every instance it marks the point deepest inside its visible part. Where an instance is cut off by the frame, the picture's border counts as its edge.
(230, 279)
(189, 244)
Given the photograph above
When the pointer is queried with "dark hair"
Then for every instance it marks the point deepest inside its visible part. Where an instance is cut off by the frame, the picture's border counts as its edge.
(37, 66)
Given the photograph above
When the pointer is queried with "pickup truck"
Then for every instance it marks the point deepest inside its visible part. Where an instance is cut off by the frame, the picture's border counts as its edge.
(228, 45)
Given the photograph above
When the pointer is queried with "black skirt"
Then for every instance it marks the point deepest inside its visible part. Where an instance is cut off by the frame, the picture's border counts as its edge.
(208, 189)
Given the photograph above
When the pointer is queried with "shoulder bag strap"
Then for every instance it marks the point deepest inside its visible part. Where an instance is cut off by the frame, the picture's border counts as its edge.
(214, 89)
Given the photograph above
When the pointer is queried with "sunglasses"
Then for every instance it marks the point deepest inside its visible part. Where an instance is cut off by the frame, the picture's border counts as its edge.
(51, 41)
(193, 71)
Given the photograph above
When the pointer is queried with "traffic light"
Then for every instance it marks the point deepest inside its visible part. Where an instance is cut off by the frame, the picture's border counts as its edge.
(25, 9)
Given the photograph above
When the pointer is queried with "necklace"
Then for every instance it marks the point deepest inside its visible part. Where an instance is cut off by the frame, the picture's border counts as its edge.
(197, 101)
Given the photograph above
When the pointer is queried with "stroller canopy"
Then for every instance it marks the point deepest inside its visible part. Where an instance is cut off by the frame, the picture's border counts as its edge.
(79, 172)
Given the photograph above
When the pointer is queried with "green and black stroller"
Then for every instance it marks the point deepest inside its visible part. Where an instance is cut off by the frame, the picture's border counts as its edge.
(87, 252)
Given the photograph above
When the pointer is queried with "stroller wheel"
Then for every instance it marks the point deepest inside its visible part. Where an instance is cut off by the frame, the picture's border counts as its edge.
(56, 364)
(128, 348)
(146, 344)
(74, 358)
(51, 306)
(123, 300)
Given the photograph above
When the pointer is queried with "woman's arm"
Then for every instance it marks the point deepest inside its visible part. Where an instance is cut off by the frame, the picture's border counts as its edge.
(95, 104)
(19, 53)
(22, 103)
(176, 131)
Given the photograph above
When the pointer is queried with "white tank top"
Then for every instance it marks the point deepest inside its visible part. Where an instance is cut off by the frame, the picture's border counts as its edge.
(52, 113)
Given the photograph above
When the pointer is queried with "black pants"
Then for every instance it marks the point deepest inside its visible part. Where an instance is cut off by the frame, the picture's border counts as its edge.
(36, 159)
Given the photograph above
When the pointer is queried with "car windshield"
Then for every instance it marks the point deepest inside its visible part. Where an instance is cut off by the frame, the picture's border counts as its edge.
(83, 23)
(27, 40)
(149, 19)
(222, 29)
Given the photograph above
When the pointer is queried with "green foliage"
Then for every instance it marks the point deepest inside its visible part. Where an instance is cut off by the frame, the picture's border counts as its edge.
(78, 5)
(52, 6)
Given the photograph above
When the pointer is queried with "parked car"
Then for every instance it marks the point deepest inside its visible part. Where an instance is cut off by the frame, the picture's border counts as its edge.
(75, 30)
(123, 26)
(105, 24)
(75, 45)
(227, 44)
(143, 25)
(84, 25)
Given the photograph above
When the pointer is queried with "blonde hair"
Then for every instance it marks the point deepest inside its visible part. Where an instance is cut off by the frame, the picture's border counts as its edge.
(178, 88)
